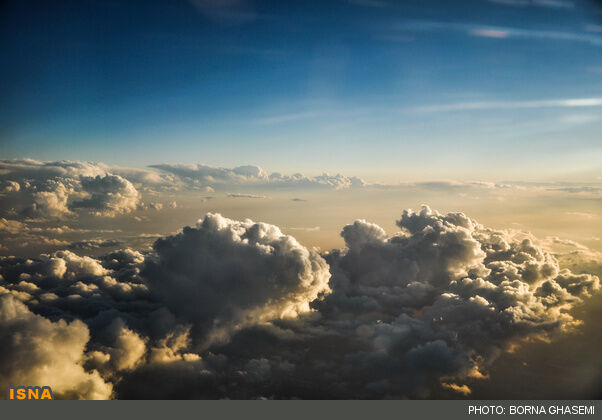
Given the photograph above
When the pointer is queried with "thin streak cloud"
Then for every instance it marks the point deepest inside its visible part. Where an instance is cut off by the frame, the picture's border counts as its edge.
(488, 31)
(284, 118)
(501, 105)
(239, 195)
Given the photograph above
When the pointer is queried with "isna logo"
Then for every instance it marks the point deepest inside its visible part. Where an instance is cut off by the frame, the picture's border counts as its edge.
(30, 393)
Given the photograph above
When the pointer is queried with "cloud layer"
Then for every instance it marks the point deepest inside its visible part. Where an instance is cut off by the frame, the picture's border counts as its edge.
(203, 175)
(236, 309)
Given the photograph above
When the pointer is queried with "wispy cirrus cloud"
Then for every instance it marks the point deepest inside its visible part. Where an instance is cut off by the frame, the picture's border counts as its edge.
(284, 118)
(553, 4)
(499, 32)
(501, 105)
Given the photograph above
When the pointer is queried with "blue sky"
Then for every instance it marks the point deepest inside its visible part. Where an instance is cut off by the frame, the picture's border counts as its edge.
(386, 90)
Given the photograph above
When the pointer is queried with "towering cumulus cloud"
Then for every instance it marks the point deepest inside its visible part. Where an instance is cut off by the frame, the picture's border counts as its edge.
(225, 274)
(444, 297)
(236, 309)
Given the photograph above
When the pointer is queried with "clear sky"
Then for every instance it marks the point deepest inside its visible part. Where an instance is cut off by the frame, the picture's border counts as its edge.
(385, 90)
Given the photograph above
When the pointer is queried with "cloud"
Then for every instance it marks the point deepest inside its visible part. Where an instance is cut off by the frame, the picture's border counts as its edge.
(149, 179)
(203, 176)
(464, 389)
(51, 203)
(582, 215)
(59, 189)
(490, 33)
(578, 189)
(10, 186)
(501, 32)
(37, 351)
(339, 181)
(209, 174)
(240, 195)
(126, 349)
(284, 118)
(38, 191)
(225, 274)
(108, 195)
(56, 203)
(306, 229)
(95, 243)
(11, 226)
(237, 309)
(445, 297)
(511, 105)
